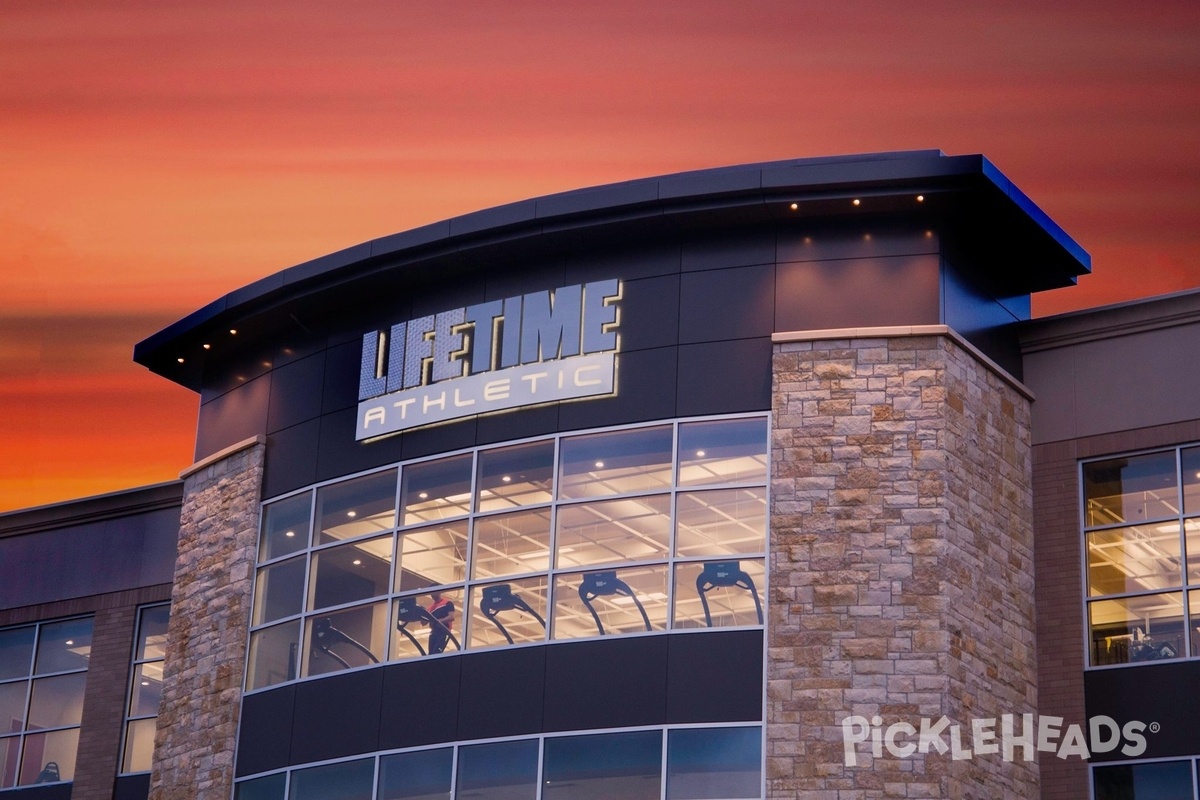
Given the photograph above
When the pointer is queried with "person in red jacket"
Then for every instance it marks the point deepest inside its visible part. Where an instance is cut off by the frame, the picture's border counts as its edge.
(442, 613)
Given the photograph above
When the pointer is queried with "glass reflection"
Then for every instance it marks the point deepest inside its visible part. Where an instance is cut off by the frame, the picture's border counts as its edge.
(1190, 462)
(1165, 780)
(49, 757)
(515, 476)
(352, 637)
(1130, 490)
(608, 602)
(511, 544)
(56, 702)
(273, 655)
(723, 451)
(1135, 629)
(427, 624)
(357, 507)
(351, 572)
(9, 750)
(139, 745)
(613, 531)
(612, 766)
(618, 462)
(64, 646)
(16, 652)
(432, 556)
(709, 763)
(436, 490)
(279, 591)
(508, 613)
(147, 689)
(718, 594)
(152, 631)
(268, 788)
(721, 522)
(349, 780)
(424, 775)
(12, 706)
(1133, 559)
(501, 771)
(285, 527)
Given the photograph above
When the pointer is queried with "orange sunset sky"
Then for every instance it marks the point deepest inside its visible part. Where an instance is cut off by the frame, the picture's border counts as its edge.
(156, 155)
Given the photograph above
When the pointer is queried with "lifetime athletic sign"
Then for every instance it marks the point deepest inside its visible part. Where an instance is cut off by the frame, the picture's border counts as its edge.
(538, 348)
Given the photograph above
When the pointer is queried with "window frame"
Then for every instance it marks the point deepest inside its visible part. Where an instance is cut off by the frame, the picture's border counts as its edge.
(471, 584)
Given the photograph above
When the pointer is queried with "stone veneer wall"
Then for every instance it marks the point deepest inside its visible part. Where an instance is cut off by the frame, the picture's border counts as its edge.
(901, 563)
(209, 627)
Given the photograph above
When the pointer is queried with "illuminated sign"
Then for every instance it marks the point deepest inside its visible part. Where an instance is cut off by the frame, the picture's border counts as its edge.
(537, 348)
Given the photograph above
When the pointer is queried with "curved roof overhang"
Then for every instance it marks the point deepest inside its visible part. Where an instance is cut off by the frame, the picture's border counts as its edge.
(966, 195)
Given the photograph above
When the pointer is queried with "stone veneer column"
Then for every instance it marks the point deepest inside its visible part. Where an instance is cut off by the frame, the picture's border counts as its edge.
(901, 561)
(209, 627)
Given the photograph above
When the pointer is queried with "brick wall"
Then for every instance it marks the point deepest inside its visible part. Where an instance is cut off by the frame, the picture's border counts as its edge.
(1059, 564)
(901, 563)
(100, 735)
(209, 628)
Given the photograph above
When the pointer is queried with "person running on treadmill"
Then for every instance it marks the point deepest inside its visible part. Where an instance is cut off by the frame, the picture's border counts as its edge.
(442, 612)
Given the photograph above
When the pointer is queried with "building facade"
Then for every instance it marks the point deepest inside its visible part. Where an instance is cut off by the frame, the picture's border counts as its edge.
(748, 482)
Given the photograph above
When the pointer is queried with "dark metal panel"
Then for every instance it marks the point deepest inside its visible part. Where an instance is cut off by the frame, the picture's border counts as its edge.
(439, 439)
(339, 454)
(1050, 374)
(725, 377)
(337, 716)
(1162, 693)
(60, 791)
(327, 263)
(265, 737)
(729, 250)
(508, 214)
(420, 702)
(290, 460)
(296, 391)
(650, 313)
(612, 683)
(518, 424)
(342, 365)
(502, 693)
(644, 260)
(805, 241)
(715, 677)
(646, 385)
(132, 787)
(1135, 381)
(727, 304)
(714, 181)
(858, 293)
(233, 417)
(78, 560)
(611, 196)
(426, 234)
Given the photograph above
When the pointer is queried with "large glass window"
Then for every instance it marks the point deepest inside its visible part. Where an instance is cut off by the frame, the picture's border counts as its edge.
(500, 771)
(43, 669)
(710, 763)
(608, 766)
(1141, 520)
(601, 533)
(145, 688)
(1163, 780)
(723, 761)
